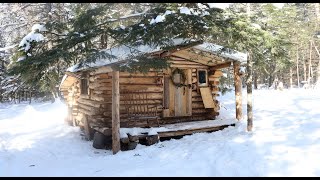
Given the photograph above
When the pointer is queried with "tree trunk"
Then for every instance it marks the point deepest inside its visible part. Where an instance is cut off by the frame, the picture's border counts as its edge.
(298, 76)
(291, 77)
(248, 8)
(310, 65)
(26, 95)
(249, 93)
(238, 91)
(255, 80)
(318, 67)
(30, 96)
(270, 80)
(304, 69)
(317, 10)
(49, 9)
(54, 95)
(318, 75)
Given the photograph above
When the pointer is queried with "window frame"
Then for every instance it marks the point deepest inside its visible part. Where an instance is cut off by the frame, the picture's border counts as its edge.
(206, 73)
(84, 90)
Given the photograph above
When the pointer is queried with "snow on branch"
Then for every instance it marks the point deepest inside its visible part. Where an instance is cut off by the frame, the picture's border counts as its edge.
(185, 10)
(32, 36)
(39, 27)
(125, 17)
(8, 47)
(8, 25)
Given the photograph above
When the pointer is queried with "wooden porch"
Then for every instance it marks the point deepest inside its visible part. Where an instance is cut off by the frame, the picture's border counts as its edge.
(130, 137)
(153, 135)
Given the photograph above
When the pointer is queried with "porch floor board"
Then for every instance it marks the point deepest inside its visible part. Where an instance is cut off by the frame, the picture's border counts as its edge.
(177, 129)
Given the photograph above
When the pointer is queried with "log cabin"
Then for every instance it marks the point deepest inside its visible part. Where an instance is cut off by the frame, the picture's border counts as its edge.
(120, 109)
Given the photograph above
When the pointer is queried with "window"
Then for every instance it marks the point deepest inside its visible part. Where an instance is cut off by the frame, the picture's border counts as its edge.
(84, 86)
(202, 77)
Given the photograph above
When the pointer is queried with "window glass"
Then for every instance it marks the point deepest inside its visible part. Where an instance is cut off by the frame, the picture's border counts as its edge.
(84, 86)
(202, 77)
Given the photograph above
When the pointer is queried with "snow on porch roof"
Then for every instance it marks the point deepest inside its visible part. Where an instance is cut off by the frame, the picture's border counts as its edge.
(122, 53)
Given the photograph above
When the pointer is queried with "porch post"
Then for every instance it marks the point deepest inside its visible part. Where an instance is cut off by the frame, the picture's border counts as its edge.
(237, 87)
(115, 112)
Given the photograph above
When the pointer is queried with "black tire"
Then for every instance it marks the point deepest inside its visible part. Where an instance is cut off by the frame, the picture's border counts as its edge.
(99, 140)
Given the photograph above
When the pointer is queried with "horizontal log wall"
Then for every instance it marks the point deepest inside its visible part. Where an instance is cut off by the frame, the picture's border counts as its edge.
(71, 96)
(151, 83)
(97, 104)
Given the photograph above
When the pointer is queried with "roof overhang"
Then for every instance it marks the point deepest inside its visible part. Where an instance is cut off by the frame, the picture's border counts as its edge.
(206, 53)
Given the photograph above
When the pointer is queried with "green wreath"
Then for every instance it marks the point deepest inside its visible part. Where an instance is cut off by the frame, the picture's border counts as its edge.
(183, 77)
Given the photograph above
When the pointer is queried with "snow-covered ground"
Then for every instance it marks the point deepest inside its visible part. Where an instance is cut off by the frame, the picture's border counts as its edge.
(34, 141)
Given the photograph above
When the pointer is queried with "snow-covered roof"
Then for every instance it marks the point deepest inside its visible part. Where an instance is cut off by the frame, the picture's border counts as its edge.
(232, 54)
(122, 53)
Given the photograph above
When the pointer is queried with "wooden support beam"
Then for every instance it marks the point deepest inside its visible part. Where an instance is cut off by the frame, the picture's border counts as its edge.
(189, 92)
(115, 112)
(87, 128)
(221, 66)
(237, 87)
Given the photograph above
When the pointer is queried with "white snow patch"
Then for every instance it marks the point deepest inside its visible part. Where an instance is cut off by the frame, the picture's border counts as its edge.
(152, 132)
(168, 12)
(32, 36)
(160, 18)
(256, 25)
(39, 27)
(205, 13)
(201, 6)
(219, 5)
(21, 58)
(152, 21)
(225, 75)
(278, 5)
(317, 85)
(122, 27)
(285, 142)
(121, 53)
(185, 10)
(242, 69)
(177, 127)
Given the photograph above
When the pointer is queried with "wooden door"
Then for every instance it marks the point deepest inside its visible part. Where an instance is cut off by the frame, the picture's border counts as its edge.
(178, 99)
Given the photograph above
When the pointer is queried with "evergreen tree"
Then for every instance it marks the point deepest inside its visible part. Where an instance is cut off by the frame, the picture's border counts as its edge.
(76, 33)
